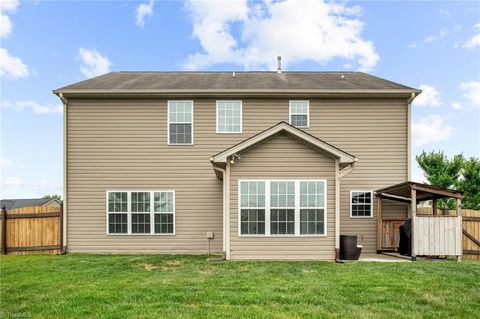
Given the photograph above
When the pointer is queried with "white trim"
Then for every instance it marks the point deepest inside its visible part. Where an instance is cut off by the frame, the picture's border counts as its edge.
(227, 204)
(129, 212)
(290, 113)
(297, 207)
(168, 123)
(283, 126)
(371, 203)
(241, 117)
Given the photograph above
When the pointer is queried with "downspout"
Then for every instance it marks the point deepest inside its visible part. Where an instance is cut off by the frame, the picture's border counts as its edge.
(409, 132)
(64, 211)
(224, 182)
(337, 211)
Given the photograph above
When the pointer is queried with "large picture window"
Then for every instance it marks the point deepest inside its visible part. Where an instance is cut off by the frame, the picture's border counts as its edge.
(180, 122)
(229, 116)
(361, 204)
(141, 212)
(293, 208)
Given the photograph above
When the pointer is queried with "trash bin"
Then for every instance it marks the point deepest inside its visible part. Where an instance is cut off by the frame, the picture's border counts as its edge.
(349, 250)
(405, 245)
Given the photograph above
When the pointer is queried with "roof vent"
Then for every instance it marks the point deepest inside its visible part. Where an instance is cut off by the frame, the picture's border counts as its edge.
(279, 69)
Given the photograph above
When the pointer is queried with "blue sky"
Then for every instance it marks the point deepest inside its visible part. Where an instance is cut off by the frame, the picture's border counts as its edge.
(48, 44)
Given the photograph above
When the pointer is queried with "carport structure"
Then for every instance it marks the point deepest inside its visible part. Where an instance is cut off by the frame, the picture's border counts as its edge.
(431, 235)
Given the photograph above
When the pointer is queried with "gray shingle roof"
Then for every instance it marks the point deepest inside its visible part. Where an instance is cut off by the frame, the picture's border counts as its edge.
(197, 81)
(28, 202)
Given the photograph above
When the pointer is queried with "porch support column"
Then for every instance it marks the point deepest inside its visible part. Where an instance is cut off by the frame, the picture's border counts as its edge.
(379, 224)
(459, 215)
(413, 204)
(337, 210)
(434, 206)
(227, 206)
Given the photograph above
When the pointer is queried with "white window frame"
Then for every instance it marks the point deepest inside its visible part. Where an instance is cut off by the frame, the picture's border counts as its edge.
(241, 117)
(168, 123)
(129, 212)
(290, 113)
(297, 207)
(371, 203)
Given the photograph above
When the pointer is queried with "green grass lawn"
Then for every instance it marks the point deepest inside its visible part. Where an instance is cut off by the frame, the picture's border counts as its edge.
(153, 286)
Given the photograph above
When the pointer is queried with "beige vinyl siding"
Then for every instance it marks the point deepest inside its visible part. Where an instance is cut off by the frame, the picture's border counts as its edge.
(283, 158)
(122, 144)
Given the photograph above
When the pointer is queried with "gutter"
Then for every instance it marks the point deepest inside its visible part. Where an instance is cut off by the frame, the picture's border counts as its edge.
(224, 182)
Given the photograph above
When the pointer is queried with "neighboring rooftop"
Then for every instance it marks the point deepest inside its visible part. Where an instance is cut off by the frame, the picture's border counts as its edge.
(231, 81)
(27, 202)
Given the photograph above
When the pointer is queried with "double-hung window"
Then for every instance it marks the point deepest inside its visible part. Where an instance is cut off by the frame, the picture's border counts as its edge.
(163, 209)
(252, 207)
(140, 208)
(282, 207)
(141, 212)
(180, 122)
(117, 208)
(361, 204)
(229, 116)
(299, 114)
(312, 208)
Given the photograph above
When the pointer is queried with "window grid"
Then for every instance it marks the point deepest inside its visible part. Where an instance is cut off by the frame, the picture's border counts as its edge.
(312, 208)
(252, 208)
(361, 204)
(117, 212)
(307, 221)
(229, 116)
(282, 204)
(163, 212)
(299, 113)
(180, 122)
(146, 213)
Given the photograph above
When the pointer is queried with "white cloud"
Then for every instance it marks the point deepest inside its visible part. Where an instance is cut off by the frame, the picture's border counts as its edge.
(474, 41)
(6, 24)
(12, 182)
(4, 162)
(471, 92)
(45, 108)
(438, 36)
(94, 63)
(12, 66)
(430, 129)
(457, 105)
(143, 10)
(432, 38)
(429, 96)
(254, 35)
(17, 187)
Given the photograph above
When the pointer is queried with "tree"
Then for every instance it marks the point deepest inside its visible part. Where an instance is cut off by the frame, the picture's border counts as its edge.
(469, 183)
(441, 171)
(54, 196)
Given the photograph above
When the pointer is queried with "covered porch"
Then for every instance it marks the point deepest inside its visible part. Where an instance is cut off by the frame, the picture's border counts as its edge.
(431, 234)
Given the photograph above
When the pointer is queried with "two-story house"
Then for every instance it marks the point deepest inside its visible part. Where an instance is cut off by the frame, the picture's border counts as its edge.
(272, 165)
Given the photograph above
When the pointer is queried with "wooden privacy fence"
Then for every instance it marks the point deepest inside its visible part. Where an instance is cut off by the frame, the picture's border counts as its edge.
(470, 230)
(32, 230)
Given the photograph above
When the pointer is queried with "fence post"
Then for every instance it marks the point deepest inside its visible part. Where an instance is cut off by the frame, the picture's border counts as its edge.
(4, 230)
(62, 250)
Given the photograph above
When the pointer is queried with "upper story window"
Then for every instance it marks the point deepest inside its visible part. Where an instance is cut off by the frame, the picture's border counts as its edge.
(361, 204)
(229, 116)
(180, 122)
(141, 212)
(299, 113)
